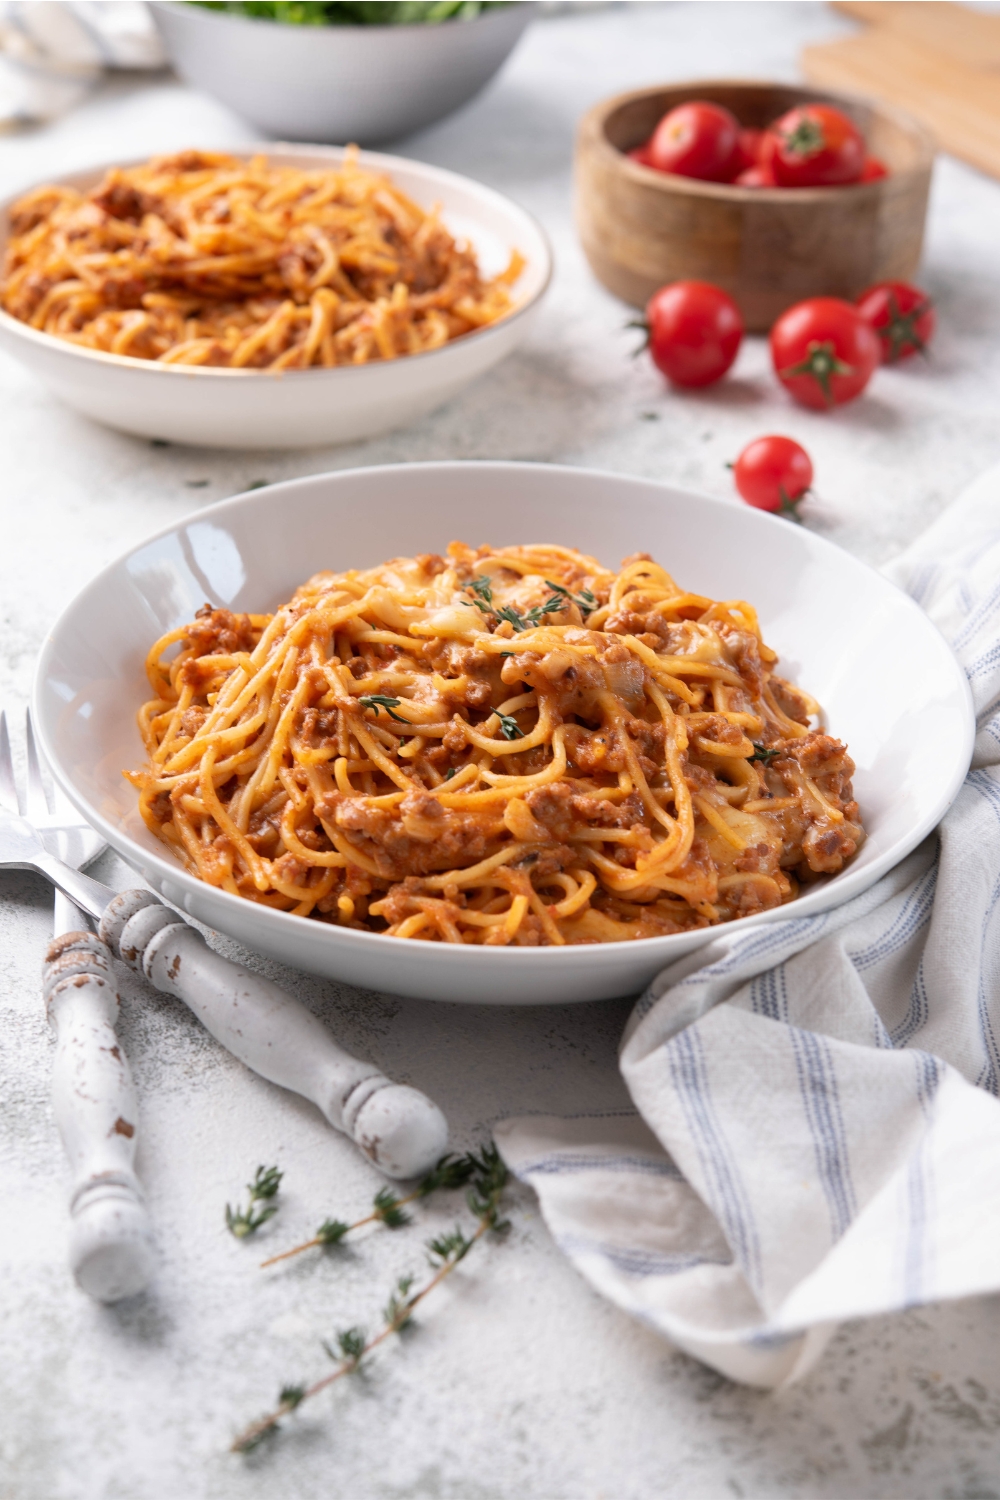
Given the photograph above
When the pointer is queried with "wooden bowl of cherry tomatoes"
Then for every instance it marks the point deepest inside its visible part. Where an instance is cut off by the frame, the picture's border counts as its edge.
(766, 243)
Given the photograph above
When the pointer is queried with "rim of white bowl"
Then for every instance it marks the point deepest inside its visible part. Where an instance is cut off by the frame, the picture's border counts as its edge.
(271, 148)
(422, 26)
(851, 881)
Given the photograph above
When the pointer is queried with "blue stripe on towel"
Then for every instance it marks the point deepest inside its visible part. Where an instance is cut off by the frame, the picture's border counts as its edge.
(555, 1164)
(821, 1100)
(730, 1202)
(981, 615)
(916, 913)
(769, 996)
(929, 1076)
(923, 581)
(638, 1261)
(918, 1012)
(985, 664)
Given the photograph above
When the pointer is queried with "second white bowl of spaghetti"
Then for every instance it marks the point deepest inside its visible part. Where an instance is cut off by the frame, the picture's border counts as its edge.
(277, 298)
(516, 771)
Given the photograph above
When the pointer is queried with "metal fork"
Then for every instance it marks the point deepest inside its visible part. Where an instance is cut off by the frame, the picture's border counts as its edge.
(397, 1127)
(93, 1096)
(51, 814)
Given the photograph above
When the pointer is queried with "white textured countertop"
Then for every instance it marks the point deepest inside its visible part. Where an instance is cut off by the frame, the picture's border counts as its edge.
(519, 1381)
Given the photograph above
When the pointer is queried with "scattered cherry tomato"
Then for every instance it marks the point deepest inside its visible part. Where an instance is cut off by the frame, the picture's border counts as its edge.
(772, 473)
(697, 140)
(756, 177)
(694, 332)
(815, 145)
(748, 148)
(873, 169)
(824, 352)
(902, 316)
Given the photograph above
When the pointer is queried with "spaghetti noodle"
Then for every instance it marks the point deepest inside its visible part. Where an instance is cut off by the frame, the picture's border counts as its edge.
(502, 746)
(204, 259)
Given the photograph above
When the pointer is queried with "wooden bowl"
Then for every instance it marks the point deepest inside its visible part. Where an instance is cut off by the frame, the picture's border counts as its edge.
(767, 247)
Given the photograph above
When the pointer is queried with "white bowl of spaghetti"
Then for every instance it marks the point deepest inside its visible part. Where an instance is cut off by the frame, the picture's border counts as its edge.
(516, 773)
(283, 298)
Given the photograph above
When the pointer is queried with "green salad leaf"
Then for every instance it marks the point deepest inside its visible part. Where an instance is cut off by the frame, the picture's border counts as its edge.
(353, 12)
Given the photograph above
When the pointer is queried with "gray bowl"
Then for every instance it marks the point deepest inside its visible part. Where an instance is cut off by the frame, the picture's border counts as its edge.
(338, 83)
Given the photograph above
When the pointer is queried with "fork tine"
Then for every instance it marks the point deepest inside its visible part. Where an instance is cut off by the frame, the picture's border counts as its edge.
(8, 786)
(37, 800)
(59, 804)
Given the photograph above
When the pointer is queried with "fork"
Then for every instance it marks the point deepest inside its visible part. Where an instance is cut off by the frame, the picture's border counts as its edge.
(111, 1250)
(396, 1127)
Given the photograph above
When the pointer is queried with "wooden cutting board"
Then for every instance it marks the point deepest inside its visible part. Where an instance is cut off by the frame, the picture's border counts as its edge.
(966, 36)
(920, 62)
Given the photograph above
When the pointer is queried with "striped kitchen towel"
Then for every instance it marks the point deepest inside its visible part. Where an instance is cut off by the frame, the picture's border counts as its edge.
(825, 1144)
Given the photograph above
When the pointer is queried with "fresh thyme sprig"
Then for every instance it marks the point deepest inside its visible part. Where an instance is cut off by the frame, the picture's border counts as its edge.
(509, 613)
(450, 1172)
(585, 601)
(444, 1253)
(509, 726)
(763, 754)
(482, 588)
(483, 591)
(262, 1190)
(379, 700)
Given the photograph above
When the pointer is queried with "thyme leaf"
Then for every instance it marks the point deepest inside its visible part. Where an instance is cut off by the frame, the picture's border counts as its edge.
(448, 1248)
(509, 613)
(509, 727)
(331, 1231)
(451, 1172)
(482, 588)
(763, 754)
(585, 601)
(379, 700)
(351, 1344)
(398, 1310)
(387, 1208)
(243, 1222)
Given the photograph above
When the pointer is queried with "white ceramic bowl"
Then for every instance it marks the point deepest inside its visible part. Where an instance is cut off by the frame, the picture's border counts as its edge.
(888, 682)
(338, 83)
(213, 408)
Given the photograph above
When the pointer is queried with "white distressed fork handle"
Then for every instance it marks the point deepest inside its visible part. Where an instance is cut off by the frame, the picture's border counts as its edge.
(398, 1128)
(111, 1251)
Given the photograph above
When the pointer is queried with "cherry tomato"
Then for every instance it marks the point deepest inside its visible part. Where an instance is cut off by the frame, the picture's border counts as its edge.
(824, 352)
(756, 177)
(697, 140)
(748, 148)
(772, 473)
(640, 154)
(902, 316)
(694, 332)
(815, 145)
(873, 169)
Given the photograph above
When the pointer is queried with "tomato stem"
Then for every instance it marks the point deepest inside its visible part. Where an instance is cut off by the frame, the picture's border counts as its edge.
(647, 330)
(805, 140)
(901, 329)
(787, 507)
(822, 364)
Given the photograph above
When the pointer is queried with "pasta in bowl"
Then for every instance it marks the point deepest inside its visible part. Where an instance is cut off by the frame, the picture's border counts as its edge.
(496, 746)
(889, 687)
(308, 295)
(200, 259)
